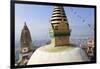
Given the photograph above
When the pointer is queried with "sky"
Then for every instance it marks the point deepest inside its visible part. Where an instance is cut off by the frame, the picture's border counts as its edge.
(37, 18)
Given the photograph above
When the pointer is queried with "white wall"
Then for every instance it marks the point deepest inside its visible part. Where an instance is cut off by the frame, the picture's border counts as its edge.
(5, 34)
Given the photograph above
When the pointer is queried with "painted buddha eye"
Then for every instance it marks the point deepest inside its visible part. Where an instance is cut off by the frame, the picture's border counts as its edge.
(56, 27)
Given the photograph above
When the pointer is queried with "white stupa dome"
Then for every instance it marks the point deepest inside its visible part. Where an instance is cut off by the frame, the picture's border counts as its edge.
(62, 54)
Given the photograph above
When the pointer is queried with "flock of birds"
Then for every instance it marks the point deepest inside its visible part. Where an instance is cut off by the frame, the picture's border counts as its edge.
(80, 17)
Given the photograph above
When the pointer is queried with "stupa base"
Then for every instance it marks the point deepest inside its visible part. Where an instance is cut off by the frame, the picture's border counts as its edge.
(62, 54)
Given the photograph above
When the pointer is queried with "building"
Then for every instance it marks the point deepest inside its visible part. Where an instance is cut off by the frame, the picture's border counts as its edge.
(90, 48)
(59, 30)
(25, 46)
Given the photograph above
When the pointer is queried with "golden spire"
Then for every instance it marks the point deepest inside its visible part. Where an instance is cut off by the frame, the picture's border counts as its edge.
(59, 26)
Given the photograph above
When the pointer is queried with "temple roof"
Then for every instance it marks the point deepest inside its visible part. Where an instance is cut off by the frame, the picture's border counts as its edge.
(25, 36)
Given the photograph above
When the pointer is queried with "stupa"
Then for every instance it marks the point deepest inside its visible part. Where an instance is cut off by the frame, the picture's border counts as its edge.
(60, 50)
